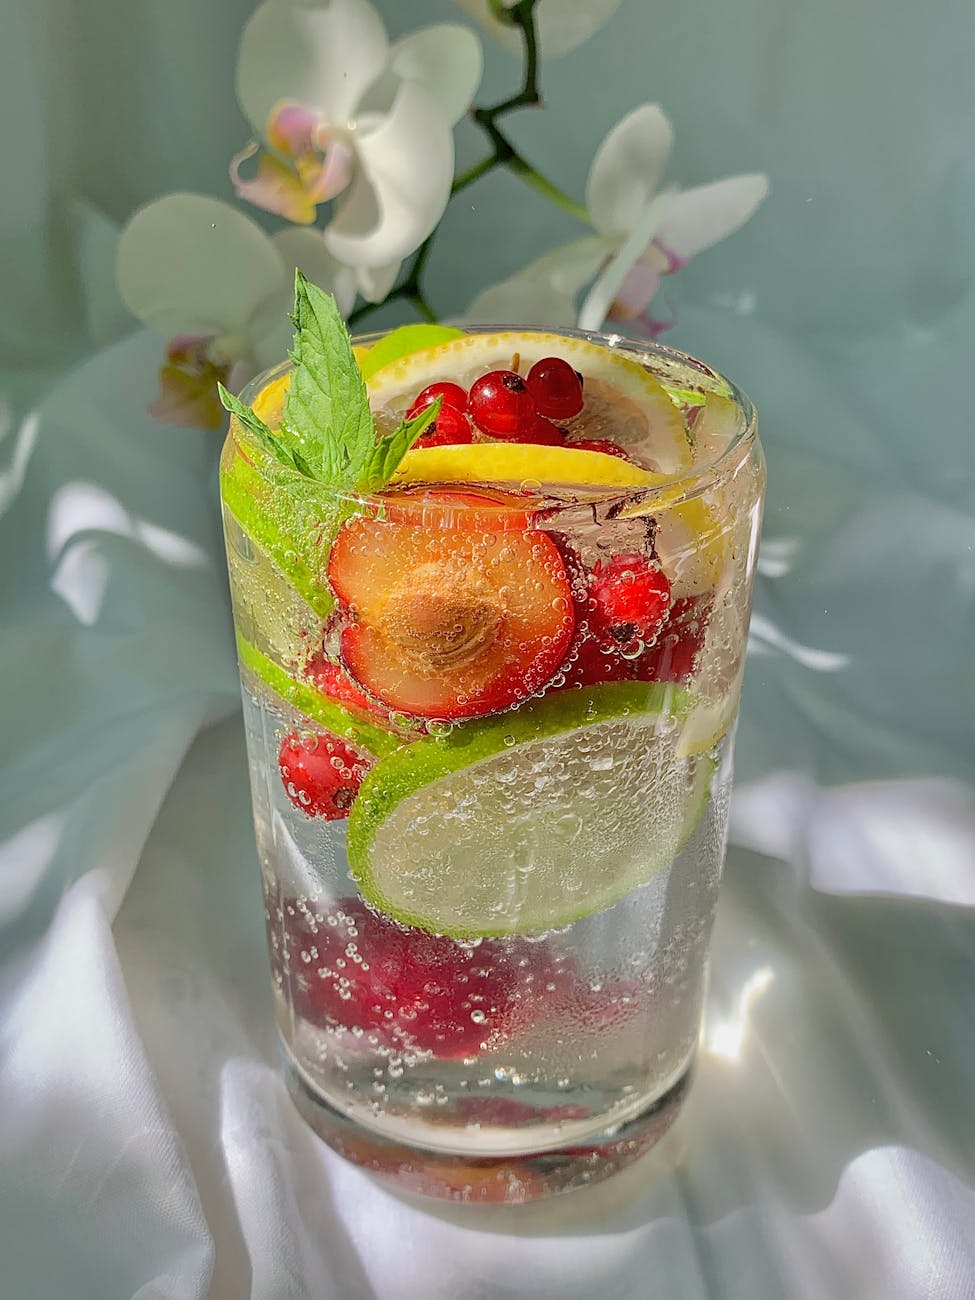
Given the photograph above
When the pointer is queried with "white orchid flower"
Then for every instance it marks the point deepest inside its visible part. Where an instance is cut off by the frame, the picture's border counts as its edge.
(561, 24)
(218, 289)
(643, 233)
(347, 114)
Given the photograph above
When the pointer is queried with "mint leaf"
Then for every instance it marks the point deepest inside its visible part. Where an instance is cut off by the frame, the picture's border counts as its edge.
(287, 455)
(327, 407)
(390, 450)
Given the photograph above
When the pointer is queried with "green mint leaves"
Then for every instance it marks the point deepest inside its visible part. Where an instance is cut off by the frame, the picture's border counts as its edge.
(327, 407)
(273, 445)
(385, 455)
(328, 433)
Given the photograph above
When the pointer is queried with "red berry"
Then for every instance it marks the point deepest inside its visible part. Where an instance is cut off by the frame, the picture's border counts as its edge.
(555, 388)
(449, 428)
(673, 657)
(600, 444)
(544, 433)
(454, 398)
(501, 405)
(592, 664)
(357, 969)
(321, 774)
(630, 600)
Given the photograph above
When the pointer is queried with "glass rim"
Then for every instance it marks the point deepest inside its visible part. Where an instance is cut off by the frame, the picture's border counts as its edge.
(671, 490)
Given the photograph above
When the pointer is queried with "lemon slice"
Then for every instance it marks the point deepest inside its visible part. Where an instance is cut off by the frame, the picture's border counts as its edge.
(708, 722)
(521, 462)
(533, 819)
(623, 400)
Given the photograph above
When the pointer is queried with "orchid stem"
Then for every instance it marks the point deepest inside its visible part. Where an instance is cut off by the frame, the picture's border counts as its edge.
(503, 154)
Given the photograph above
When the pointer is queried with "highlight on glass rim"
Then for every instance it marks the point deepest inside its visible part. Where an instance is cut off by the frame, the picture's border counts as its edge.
(491, 591)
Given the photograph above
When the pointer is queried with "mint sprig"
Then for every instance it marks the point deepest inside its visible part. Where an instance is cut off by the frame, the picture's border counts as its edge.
(327, 406)
(328, 433)
(386, 454)
(273, 445)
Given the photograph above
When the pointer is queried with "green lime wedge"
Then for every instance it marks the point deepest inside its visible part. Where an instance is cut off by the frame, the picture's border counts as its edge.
(286, 527)
(333, 717)
(402, 342)
(531, 820)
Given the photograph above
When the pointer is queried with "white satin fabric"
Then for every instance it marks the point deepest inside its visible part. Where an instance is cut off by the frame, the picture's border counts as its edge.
(827, 1152)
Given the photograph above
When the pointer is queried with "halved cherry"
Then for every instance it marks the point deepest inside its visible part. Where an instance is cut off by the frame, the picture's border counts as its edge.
(446, 616)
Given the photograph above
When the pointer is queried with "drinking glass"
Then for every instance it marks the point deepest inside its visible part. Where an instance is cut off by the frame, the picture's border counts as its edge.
(488, 913)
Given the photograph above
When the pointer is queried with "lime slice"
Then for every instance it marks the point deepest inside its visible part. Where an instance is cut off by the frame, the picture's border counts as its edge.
(328, 713)
(287, 528)
(533, 819)
(627, 403)
(400, 343)
(708, 722)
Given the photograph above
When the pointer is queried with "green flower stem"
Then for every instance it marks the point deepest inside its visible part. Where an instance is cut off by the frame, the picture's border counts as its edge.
(503, 154)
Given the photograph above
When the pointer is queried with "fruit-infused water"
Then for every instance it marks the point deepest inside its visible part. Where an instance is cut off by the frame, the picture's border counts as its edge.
(489, 716)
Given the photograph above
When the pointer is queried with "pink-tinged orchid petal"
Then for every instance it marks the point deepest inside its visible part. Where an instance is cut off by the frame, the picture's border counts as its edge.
(626, 171)
(188, 396)
(188, 264)
(445, 59)
(406, 165)
(603, 293)
(333, 173)
(321, 156)
(292, 128)
(702, 216)
(636, 292)
(562, 24)
(275, 188)
(325, 55)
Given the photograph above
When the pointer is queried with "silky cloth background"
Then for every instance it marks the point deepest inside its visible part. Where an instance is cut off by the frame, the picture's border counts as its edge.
(828, 1148)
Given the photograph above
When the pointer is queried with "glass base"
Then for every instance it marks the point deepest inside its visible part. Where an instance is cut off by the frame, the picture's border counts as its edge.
(488, 1180)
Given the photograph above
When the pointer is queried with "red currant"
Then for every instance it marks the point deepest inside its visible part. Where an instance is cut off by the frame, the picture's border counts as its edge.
(501, 405)
(600, 444)
(450, 426)
(321, 774)
(544, 433)
(674, 656)
(453, 396)
(556, 388)
(359, 970)
(629, 600)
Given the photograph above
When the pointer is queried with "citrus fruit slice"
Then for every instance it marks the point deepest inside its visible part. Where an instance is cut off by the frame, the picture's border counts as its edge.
(450, 622)
(623, 400)
(707, 724)
(521, 462)
(401, 343)
(286, 520)
(326, 712)
(529, 821)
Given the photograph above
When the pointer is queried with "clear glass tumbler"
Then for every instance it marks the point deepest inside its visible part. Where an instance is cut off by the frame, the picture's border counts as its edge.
(490, 752)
